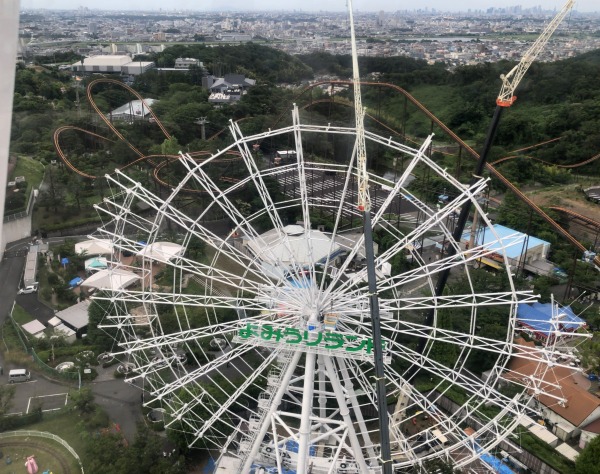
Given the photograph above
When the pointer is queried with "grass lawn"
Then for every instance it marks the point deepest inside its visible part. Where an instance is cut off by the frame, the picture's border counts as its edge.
(21, 316)
(33, 171)
(49, 455)
(66, 425)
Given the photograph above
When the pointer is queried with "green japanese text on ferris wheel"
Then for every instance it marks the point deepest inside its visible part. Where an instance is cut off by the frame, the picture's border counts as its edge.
(325, 339)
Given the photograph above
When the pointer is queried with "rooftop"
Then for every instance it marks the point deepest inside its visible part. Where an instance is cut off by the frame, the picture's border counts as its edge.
(496, 235)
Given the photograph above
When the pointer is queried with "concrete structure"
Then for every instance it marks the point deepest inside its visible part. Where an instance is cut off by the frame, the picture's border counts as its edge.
(29, 275)
(589, 432)
(66, 332)
(229, 88)
(34, 328)
(75, 317)
(185, 63)
(527, 251)
(9, 28)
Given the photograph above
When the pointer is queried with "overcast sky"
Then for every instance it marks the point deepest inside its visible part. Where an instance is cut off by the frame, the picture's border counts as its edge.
(304, 5)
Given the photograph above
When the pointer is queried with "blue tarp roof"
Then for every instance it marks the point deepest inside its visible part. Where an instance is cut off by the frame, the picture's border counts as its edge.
(486, 236)
(538, 317)
(495, 463)
(75, 281)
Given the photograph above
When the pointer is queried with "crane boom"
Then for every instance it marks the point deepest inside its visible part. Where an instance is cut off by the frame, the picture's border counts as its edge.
(507, 92)
(364, 200)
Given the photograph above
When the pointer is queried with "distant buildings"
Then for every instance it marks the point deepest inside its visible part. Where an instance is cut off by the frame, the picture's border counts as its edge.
(185, 63)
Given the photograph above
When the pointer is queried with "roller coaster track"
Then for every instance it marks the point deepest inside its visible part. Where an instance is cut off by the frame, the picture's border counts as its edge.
(537, 145)
(409, 97)
(470, 150)
(575, 165)
(578, 216)
(158, 162)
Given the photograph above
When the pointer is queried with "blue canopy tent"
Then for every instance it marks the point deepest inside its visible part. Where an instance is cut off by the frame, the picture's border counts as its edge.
(75, 282)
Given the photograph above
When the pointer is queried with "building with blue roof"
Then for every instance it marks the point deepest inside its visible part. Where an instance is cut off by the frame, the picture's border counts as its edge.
(541, 320)
(521, 249)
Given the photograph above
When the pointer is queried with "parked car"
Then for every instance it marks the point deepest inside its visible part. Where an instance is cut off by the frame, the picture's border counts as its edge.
(28, 289)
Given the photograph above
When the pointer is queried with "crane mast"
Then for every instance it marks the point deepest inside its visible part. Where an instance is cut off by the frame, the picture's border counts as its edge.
(364, 205)
(506, 96)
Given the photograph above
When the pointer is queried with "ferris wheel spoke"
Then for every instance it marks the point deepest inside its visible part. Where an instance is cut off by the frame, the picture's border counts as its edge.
(193, 300)
(435, 267)
(436, 219)
(467, 381)
(458, 301)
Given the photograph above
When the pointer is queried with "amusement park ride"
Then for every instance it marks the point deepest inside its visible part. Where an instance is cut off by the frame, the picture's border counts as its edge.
(297, 340)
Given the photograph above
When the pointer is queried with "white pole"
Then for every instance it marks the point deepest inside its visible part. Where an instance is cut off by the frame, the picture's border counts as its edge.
(345, 413)
(305, 423)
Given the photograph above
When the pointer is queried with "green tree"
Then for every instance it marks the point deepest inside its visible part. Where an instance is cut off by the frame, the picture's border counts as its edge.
(588, 461)
(7, 393)
(102, 338)
(83, 401)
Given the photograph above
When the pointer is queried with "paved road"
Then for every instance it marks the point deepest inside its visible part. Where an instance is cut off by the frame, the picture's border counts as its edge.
(121, 401)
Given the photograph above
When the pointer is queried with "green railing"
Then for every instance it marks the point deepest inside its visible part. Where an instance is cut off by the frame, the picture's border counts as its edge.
(19, 331)
(52, 371)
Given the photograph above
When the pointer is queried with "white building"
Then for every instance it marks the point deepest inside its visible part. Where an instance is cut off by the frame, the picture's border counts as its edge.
(112, 64)
(132, 111)
(185, 63)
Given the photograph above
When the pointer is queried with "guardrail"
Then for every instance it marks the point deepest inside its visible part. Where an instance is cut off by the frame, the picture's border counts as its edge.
(44, 434)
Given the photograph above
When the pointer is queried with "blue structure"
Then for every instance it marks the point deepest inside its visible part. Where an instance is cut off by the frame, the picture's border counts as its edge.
(75, 282)
(538, 318)
(485, 236)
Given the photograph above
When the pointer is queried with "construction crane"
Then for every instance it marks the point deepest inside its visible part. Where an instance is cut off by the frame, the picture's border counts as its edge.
(364, 206)
(505, 99)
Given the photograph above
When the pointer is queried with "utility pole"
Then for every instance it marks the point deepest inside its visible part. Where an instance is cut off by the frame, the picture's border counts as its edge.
(202, 122)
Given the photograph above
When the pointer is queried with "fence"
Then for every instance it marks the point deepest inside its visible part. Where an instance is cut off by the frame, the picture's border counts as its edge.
(26, 212)
(44, 434)
(41, 364)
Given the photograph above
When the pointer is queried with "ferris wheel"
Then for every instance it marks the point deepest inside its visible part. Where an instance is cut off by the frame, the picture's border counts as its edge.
(250, 324)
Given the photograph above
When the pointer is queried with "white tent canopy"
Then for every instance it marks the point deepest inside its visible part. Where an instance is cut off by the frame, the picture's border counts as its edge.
(96, 263)
(111, 279)
(94, 247)
(161, 251)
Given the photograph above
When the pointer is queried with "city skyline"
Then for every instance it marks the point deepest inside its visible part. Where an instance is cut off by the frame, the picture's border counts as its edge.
(304, 5)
